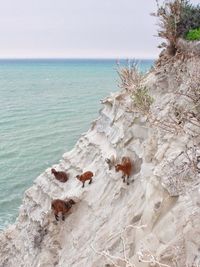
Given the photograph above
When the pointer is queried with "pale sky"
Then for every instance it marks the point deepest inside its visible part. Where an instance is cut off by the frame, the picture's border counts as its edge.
(78, 29)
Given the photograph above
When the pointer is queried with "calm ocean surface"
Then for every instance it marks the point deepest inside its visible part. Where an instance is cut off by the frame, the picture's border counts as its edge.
(44, 107)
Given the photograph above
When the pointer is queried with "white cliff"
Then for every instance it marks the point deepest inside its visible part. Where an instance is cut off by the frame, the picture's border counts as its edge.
(152, 222)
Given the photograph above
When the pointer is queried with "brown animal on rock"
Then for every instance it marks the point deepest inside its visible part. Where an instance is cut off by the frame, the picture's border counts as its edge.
(126, 168)
(61, 206)
(85, 176)
(60, 176)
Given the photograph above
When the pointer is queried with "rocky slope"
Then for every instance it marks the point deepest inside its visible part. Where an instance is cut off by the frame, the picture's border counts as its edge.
(152, 222)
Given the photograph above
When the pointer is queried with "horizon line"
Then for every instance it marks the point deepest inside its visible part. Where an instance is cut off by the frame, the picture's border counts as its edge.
(77, 58)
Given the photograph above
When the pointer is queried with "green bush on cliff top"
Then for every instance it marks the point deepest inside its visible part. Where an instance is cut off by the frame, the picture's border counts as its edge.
(176, 19)
(189, 19)
(193, 35)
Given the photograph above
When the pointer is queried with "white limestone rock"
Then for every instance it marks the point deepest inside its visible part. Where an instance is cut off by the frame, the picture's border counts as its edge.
(154, 219)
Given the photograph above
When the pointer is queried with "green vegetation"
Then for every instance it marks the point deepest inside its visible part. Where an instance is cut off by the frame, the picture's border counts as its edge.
(132, 81)
(176, 19)
(189, 19)
(142, 99)
(193, 35)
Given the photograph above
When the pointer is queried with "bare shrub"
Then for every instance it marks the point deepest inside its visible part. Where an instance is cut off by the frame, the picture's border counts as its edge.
(189, 114)
(146, 256)
(169, 15)
(143, 255)
(183, 115)
(131, 80)
(130, 76)
(181, 170)
(116, 259)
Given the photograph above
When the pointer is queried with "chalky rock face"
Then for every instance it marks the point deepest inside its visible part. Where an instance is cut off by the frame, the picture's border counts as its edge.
(192, 47)
(155, 220)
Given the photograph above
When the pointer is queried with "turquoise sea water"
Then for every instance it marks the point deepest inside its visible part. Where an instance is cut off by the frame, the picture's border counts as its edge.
(44, 107)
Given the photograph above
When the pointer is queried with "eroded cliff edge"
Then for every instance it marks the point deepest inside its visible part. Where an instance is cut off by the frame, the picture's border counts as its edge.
(152, 222)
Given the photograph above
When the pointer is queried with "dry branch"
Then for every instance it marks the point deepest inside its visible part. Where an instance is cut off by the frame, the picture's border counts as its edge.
(112, 258)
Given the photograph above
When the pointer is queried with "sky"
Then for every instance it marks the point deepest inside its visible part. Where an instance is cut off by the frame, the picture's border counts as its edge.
(78, 29)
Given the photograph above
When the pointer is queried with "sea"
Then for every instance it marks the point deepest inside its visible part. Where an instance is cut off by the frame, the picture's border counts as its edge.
(45, 105)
